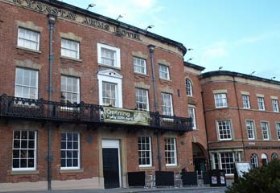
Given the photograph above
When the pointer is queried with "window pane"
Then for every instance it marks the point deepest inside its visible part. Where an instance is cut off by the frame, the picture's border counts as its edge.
(24, 150)
(28, 39)
(26, 85)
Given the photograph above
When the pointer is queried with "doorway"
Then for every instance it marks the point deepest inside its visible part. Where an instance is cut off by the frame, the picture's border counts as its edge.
(111, 163)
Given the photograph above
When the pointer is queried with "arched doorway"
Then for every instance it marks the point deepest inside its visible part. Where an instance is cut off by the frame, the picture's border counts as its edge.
(199, 158)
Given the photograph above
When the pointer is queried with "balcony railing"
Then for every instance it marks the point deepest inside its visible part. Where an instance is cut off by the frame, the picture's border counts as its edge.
(15, 107)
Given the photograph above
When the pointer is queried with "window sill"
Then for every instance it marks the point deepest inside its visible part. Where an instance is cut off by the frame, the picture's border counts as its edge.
(67, 171)
(69, 58)
(140, 74)
(108, 66)
(24, 172)
(171, 166)
(165, 80)
(29, 50)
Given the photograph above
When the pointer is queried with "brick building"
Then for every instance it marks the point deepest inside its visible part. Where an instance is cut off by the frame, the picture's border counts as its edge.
(86, 99)
(242, 119)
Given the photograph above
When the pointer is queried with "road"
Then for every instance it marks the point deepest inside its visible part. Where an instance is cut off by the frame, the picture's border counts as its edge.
(140, 190)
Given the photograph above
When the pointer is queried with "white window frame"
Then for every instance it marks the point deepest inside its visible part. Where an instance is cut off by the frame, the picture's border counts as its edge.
(192, 114)
(26, 150)
(139, 65)
(261, 103)
(164, 72)
(265, 130)
(70, 48)
(170, 150)
(116, 59)
(167, 104)
(220, 100)
(71, 150)
(254, 160)
(189, 87)
(20, 85)
(246, 101)
(224, 128)
(112, 89)
(250, 124)
(275, 105)
(111, 77)
(142, 98)
(218, 157)
(277, 127)
(71, 92)
(144, 151)
(23, 41)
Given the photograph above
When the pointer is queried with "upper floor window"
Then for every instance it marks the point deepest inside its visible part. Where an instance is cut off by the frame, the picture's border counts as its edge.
(70, 150)
(275, 105)
(167, 107)
(189, 88)
(191, 111)
(108, 55)
(26, 83)
(246, 101)
(261, 103)
(28, 39)
(265, 130)
(110, 88)
(221, 100)
(250, 129)
(109, 94)
(278, 130)
(142, 99)
(139, 65)
(224, 129)
(70, 89)
(24, 150)
(70, 48)
(170, 152)
(144, 151)
(164, 72)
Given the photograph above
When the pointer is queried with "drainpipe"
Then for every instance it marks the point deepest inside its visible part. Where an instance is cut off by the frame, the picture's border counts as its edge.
(239, 117)
(151, 51)
(51, 21)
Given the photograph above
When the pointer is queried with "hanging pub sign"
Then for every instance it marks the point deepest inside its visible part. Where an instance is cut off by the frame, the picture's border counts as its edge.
(125, 116)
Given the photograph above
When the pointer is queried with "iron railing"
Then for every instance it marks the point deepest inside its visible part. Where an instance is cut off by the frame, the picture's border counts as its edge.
(22, 108)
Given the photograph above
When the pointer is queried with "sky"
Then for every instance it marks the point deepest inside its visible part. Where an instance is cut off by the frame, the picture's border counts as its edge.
(235, 35)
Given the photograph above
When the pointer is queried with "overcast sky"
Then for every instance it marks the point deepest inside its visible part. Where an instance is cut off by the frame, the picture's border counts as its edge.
(238, 35)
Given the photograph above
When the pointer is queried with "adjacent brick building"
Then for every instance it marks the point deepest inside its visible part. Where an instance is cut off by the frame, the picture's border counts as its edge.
(242, 119)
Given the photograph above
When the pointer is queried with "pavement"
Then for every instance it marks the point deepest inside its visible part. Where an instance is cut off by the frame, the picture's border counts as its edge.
(194, 189)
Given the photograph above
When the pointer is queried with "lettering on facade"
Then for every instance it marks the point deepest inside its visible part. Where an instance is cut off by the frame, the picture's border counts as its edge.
(47, 9)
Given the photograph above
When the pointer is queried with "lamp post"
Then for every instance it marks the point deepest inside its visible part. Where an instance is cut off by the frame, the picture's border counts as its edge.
(51, 21)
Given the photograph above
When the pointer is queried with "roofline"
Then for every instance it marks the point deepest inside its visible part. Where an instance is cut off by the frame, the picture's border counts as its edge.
(116, 22)
(194, 66)
(237, 74)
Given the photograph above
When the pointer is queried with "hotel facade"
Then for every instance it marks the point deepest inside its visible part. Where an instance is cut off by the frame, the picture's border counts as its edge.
(87, 101)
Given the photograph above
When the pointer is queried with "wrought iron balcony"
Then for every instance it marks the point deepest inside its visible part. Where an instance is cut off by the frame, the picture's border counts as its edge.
(22, 108)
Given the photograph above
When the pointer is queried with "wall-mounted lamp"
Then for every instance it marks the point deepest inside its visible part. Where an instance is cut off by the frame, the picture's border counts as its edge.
(272, 78)
(149, 27)
(90, 5)
(119, 17)
(220, 68)
(253, 72)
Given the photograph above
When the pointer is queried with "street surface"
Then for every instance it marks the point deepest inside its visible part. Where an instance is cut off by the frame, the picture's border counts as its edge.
(140, 190)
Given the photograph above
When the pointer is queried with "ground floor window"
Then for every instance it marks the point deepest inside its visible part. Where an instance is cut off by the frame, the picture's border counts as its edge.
(225, 161)
(24, 150)
(170, 152)
(144, 151)
(254, 160)
(70, 150)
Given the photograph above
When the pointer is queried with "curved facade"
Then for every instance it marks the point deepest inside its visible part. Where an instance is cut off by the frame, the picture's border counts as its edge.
(242, 118)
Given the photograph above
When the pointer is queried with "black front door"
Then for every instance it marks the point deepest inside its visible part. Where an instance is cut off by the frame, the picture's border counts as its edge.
(111, 167)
